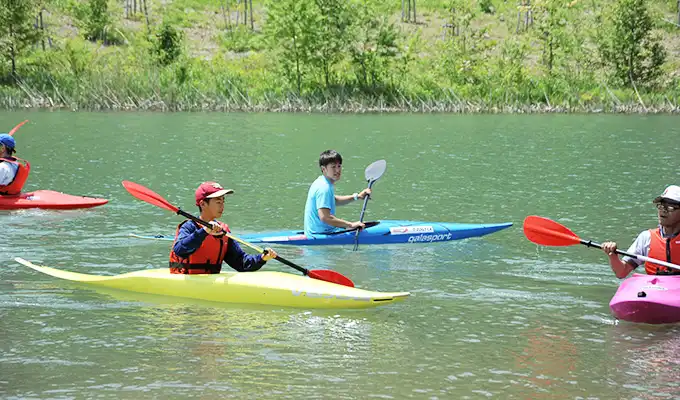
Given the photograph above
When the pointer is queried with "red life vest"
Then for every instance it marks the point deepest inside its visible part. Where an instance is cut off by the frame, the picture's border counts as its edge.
(20, 178)
(663, 249)
(206, 260)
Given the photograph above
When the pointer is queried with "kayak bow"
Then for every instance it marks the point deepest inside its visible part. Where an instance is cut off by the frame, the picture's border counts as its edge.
(48, 199)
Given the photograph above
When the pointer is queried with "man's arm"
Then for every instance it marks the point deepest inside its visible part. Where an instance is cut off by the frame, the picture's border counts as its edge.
(326, 217)
(624, 266)
(342, 200)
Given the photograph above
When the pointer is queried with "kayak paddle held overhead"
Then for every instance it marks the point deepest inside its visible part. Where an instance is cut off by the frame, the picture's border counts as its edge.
(547, 232)
(147, 195)
(372, 173)
(16, 128)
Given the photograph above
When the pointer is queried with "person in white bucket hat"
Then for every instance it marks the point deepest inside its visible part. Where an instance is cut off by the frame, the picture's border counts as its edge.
(662, 243)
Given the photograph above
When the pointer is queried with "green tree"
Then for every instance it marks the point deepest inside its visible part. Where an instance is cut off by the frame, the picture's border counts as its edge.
(628, 45)
(94, 19)
(16, 29)
(553, 28)
(167, 44)
(374, 46)
(333, 36)
(291, 29)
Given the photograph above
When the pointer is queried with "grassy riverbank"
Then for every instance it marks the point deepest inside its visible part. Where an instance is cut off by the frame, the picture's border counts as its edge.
(356, 56)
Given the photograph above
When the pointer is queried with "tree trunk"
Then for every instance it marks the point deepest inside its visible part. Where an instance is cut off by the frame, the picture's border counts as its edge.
(414, 12)
(678, 12)
(526, 16)
(134, 7)
(402, 10)
(42, 30)
(146, 15)
(238, 12)
(11, 50)
(252, 20)
(226, 15)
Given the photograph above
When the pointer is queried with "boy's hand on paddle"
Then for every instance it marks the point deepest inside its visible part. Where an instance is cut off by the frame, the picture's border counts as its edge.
(215, 228)
(268, 254)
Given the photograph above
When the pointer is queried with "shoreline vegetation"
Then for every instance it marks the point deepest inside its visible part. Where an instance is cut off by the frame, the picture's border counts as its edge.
(453, 56)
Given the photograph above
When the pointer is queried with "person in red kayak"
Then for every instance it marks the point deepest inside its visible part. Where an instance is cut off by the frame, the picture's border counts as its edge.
(321, 198)
(662, 243)
(201, 250)
(13, 170)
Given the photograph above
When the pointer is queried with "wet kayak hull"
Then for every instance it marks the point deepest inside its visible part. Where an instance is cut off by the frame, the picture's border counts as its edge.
(48, 199)
(261, 287)
(650, 299)
(386, 232)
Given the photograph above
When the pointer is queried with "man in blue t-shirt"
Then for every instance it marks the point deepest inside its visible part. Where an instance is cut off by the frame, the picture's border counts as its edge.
(321, 198)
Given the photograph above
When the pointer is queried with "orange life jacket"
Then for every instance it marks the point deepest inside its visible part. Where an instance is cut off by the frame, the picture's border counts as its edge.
(663, 249)
(206, 260)
(20, 178)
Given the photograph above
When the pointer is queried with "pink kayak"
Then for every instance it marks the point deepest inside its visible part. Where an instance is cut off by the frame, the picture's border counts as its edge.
(48, 199)
(650, 299)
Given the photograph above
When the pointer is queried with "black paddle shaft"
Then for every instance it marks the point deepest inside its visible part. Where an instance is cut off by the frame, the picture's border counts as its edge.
(277, 258)
(590, 243)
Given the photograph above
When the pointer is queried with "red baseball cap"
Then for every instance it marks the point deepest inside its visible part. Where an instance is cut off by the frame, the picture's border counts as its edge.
(210, 190)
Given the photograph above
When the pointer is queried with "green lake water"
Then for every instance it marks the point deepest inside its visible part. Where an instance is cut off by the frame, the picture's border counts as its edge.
(492, 317)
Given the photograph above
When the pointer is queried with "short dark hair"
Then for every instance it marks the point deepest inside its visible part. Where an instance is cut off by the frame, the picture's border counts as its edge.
(328, 157)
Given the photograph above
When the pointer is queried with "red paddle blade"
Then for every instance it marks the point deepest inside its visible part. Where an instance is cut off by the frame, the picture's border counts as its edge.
(145, 194)
(548, 232)
(330, 276)
(17, 127)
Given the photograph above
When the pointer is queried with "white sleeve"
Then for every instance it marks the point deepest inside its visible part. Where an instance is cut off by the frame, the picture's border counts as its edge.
(6, 174)
(640, 247)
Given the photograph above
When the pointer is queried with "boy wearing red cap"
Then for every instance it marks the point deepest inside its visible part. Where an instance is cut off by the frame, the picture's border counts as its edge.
(662, 243)
(201, 250)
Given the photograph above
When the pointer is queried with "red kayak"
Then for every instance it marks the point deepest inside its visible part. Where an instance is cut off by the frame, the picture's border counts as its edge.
(48, 199)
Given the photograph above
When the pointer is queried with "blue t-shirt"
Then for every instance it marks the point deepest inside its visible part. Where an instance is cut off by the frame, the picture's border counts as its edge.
(321, 195)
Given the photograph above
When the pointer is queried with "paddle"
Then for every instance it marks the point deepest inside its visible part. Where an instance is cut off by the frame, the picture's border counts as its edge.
(16, 128)
(547, 232)
(372, 173)
(368, 225)
(145, 194)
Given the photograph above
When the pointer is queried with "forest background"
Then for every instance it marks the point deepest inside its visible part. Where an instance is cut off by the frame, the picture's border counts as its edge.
(341, 55)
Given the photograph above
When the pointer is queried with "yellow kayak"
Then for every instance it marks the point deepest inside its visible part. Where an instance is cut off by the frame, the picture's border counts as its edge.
(261, 287)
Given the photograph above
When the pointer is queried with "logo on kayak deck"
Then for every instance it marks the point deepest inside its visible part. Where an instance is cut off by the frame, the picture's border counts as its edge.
(653, 287)
(405, 230)
(430, 238)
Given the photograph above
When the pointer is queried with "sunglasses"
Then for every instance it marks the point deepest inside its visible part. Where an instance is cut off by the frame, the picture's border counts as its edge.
(667, 207)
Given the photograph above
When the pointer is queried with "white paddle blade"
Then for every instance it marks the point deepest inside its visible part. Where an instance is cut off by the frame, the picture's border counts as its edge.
(375, 170)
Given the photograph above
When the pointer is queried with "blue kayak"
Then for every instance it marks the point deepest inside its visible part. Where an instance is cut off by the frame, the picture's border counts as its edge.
(377, 232)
